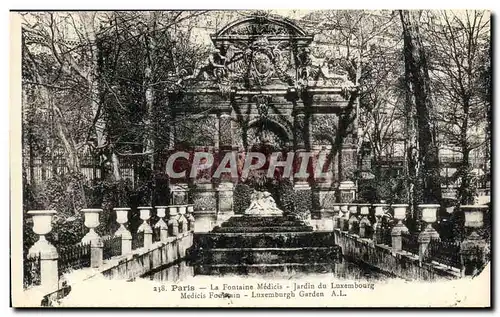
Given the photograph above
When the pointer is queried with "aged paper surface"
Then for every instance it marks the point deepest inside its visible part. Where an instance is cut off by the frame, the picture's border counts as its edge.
(274, 158)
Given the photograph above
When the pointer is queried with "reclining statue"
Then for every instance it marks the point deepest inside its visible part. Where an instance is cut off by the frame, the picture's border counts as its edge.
(262, 204)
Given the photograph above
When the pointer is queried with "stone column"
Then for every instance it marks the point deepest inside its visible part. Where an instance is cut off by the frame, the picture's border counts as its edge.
(399, 229)
(123, 232)
(160, 224)
(173, 225)
(145, 227)
(181, 218)
(365, 223)
(96, 243)
(205, 207)
(190, 217)
(42, 225)
(353, 219)
(344, 221)
(380, 210)
(429, 216)
(473, 248)
(225, 201)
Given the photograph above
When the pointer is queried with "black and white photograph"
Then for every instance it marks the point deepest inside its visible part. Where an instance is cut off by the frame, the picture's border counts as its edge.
(251, 158)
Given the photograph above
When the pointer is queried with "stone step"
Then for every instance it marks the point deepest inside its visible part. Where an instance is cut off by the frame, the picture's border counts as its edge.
(310, 255)
(249, 221)
(263, 240)
(260, 269)
(264, 223)
(263, 229)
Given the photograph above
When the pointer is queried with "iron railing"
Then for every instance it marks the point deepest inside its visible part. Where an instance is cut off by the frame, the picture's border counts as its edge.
(156, 234)
(74, 257)
(31, 270)
(410, 243)
(112, 247)
(138, 240)
(445, 252)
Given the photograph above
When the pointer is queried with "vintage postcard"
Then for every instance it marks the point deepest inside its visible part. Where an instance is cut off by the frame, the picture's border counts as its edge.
(251, 158)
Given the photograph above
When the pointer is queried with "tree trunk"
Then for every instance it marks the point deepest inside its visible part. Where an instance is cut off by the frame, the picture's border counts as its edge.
(416, 68)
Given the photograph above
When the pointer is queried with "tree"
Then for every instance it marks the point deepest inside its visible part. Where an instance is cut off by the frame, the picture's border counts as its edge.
(459, 68)
(428, 188)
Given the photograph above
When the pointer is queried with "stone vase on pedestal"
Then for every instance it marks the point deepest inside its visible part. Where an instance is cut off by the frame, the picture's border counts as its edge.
(365, 224)
(42, 225)
(145, 227)
(353, 219)
(429, 216)
(181, 218)
(96, 243)
(473, 248)
(380, 210)
(344, 221)
(399, 229)
(123, 232)
(173, 224)
(161, 224)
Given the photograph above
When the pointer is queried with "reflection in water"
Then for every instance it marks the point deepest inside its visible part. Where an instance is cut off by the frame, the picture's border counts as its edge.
(345, 270)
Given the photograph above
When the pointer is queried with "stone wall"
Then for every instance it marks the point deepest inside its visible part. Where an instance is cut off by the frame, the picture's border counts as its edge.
(400, 264)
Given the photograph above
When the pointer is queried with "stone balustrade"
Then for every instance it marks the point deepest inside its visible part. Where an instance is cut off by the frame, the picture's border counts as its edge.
(180, 223)
(471, 249)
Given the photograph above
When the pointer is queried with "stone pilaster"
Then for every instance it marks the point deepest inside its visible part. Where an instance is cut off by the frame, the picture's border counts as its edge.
(42, 225)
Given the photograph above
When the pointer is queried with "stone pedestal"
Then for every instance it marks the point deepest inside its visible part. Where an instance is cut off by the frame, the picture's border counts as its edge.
(179, 193)
(337, 217)
(323, 206)
(380, 210)
(344, 221)
(173, 224)
(225, 201)
(399, 229)
(347, 191)
(161, 224)
(303, 200)
(181, 218)
(429, 216)
(145, 227)
(473, 248)
(205, 207)
(353, 219)
(96, 243)
(365, 224)
(42, 225)
(123, 232)
(190, 217)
